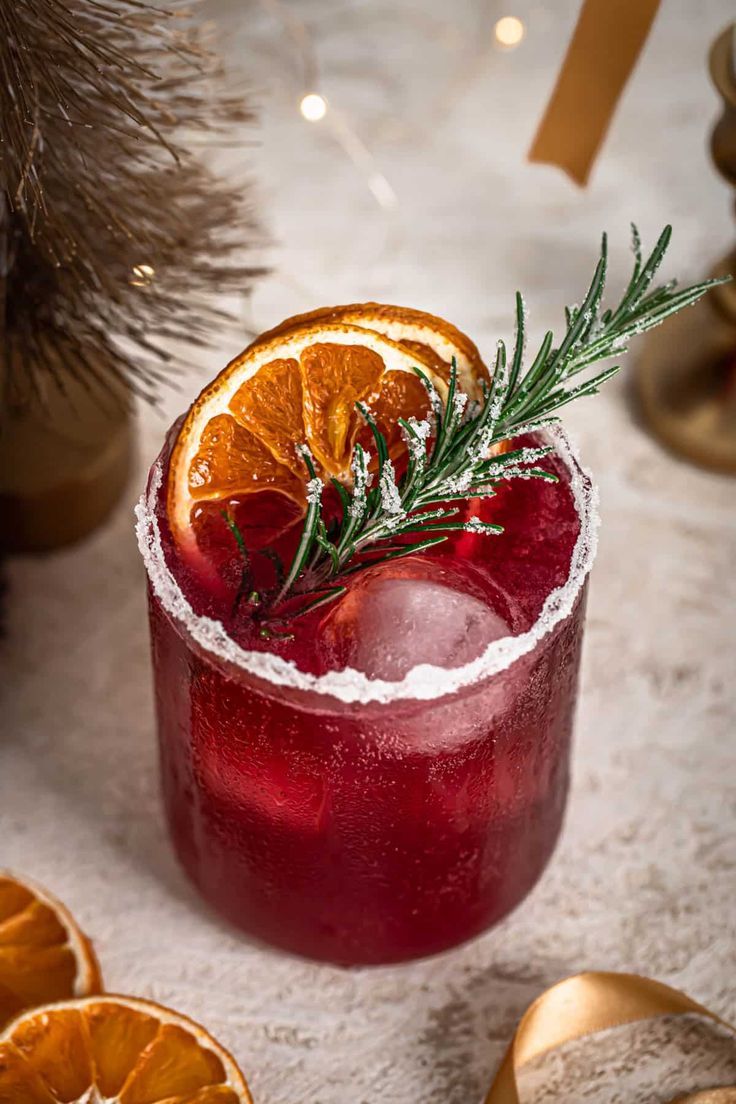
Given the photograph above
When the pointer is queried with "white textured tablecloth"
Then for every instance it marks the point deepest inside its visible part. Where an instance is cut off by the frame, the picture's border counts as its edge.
(645, 876)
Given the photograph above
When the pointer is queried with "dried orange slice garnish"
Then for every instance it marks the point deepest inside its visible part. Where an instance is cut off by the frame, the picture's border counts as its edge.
(435, 339)
(300, 386)
(119, 1050)
(43, 954)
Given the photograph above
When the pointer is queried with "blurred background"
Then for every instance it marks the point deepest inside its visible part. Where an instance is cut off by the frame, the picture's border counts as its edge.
(415, 186)
(404, 179)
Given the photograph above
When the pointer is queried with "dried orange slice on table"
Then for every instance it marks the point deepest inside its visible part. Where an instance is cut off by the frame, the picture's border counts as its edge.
(300, 383)
(119, 1050)
(43, 954)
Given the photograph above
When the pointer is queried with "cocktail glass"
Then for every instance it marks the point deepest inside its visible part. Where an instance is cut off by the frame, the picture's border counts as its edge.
(362, 820)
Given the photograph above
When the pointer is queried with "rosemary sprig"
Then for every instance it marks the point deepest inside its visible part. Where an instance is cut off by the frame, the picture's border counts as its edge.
(451, 456)
(245, 586)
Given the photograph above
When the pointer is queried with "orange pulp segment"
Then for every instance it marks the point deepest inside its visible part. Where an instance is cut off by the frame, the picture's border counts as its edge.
(43, 954)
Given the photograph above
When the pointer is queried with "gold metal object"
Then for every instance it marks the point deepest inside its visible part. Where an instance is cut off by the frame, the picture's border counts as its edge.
(586, 1004)
(685, 382)
(709, 1096)
(64, 464)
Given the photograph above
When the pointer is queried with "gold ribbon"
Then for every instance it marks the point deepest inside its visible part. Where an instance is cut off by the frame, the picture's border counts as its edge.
(591, 1002)
(710, 1096)
(608, 39)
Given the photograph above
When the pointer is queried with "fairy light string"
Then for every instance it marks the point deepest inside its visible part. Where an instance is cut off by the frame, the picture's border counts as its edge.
(315, 108)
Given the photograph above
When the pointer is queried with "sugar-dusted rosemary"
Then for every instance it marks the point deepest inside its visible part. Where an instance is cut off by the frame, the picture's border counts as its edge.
(451, 456)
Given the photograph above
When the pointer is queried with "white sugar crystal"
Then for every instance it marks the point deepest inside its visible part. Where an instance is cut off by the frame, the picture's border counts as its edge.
(529, 455)
(390, 498)
(421, 428)
(525, 318)
(359, 464)
(475, 525)
(517, 473)
(479, 450)
(417, 441)
(418, 450)
(459, 484)
(497, 404)
(314, 491)
(361, 481)
(434, 398)
(460, 401)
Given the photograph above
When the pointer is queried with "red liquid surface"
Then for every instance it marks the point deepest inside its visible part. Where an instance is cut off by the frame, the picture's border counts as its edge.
(368, 832)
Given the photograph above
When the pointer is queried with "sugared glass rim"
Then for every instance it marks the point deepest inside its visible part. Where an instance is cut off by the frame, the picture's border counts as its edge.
(424, 682)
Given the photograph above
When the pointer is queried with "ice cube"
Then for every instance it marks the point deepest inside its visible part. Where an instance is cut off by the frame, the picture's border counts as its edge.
(385, 626)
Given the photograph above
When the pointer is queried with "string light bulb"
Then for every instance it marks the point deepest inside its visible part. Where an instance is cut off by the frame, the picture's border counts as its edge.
(142, 275)
(509, 32)
(313, 107)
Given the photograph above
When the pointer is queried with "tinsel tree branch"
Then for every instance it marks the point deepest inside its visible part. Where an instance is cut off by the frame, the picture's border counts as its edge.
(116, 236)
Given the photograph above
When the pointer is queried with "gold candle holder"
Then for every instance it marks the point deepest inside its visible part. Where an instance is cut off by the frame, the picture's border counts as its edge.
(685, 382)
(64, 464)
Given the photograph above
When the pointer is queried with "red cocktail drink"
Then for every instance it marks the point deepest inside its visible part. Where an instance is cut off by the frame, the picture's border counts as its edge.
(367, 602)
(391, 781)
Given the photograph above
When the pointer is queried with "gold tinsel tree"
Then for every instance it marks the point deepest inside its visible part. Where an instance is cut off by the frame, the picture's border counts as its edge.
(114, 235)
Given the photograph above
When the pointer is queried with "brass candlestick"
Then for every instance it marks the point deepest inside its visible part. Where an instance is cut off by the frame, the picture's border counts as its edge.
(685, 382)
